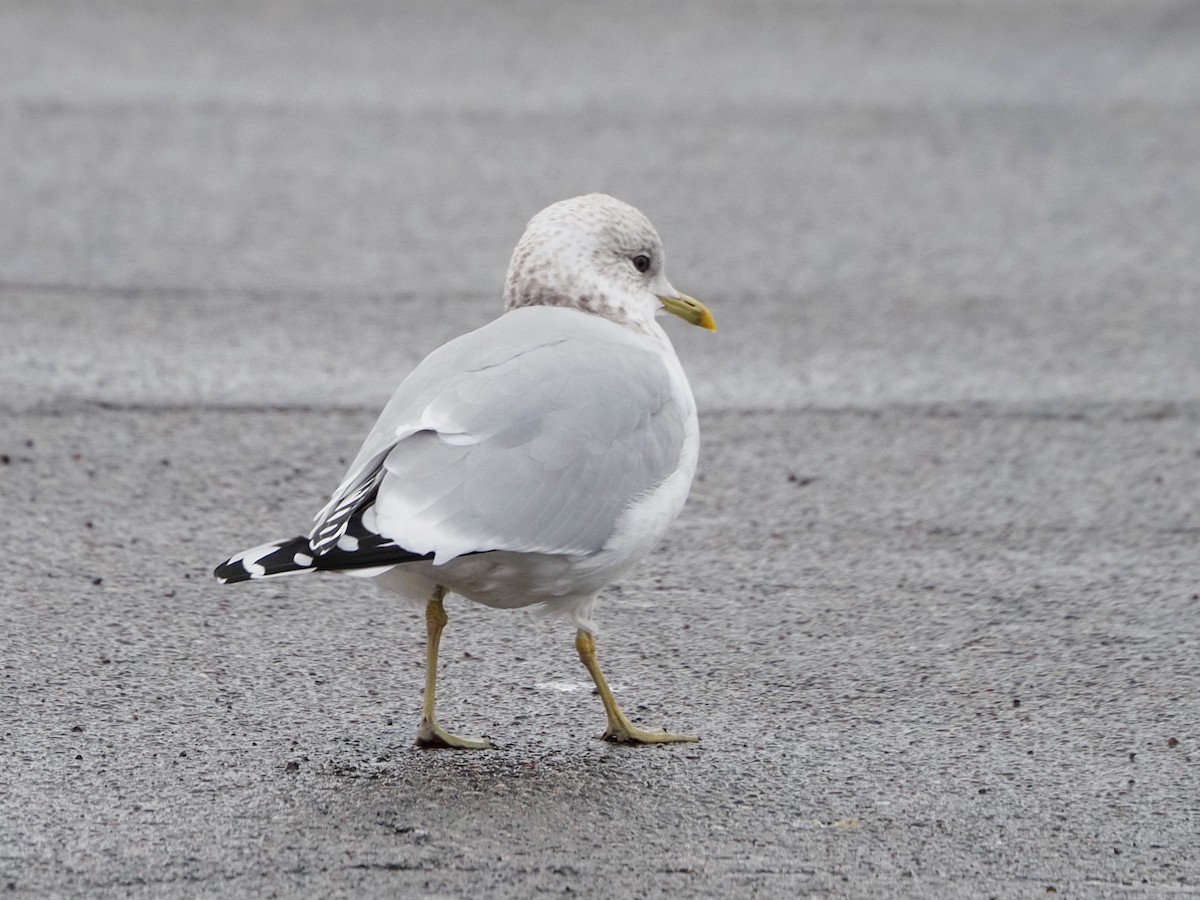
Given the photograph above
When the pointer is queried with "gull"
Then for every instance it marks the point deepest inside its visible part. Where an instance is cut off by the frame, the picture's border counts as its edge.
(532, 461)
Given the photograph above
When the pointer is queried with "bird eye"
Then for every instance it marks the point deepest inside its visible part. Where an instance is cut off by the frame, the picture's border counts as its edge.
(641, 262)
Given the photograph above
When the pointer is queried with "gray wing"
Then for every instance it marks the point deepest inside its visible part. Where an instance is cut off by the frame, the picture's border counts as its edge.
(531, 434)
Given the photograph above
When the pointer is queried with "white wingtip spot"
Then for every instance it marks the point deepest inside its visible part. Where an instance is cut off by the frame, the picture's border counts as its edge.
(249, 559)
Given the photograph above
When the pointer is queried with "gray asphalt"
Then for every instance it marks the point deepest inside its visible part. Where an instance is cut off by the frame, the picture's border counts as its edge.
(933, 604)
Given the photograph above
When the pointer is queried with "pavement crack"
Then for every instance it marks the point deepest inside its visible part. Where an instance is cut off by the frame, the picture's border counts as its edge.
(1038, 411)
(1134, 411)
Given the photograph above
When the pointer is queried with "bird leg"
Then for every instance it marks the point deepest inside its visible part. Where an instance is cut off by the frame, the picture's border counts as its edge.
(620, 730)
(429, 733)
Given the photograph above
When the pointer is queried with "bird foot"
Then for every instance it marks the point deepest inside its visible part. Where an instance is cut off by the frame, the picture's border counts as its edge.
(628, 733)
(431, 736)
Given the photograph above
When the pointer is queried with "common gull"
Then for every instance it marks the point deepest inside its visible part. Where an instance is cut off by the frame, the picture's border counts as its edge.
(534, 460)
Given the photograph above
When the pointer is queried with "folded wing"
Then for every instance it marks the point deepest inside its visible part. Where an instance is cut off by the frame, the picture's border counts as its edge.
(531, 434)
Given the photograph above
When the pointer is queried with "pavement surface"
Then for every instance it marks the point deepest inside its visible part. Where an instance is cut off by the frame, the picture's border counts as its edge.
(933, 605)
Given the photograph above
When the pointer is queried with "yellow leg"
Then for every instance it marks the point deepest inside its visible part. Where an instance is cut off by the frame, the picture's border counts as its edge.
(429, 733)
(620, 730)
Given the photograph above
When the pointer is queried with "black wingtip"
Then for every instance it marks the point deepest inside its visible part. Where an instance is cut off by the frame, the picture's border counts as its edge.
(288, 557)
(230, 572)
(291, 557)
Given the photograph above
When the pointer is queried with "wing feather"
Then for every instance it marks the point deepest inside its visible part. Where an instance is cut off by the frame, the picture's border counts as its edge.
(531, 434)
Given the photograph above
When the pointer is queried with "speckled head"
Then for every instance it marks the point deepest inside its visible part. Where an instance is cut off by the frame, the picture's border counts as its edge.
(593, 253)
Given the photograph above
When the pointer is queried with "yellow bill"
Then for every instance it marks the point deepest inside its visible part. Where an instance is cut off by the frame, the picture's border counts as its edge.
(690, 310)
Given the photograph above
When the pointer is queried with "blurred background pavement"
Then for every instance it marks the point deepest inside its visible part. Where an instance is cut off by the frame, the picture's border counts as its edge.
(933, 605)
